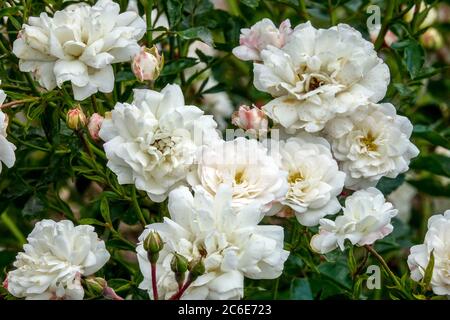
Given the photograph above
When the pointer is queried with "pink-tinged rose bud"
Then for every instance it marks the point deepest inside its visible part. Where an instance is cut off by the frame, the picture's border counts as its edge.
(389, 38)
(264, 33)
(250, 118)
(147, 64)
(431, 39)
(76, 118)
(94, 125)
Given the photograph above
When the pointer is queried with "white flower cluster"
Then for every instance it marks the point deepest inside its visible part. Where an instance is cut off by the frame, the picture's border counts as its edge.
(232, 244)
(54, 259)
(437, 242)
(326, 86)
(79, 44)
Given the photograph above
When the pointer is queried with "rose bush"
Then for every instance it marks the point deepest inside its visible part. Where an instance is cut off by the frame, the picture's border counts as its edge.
(224, 149)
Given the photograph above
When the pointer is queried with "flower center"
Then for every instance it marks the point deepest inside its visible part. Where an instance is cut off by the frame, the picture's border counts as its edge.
(239, 177)
(295, 177)
(369, 142)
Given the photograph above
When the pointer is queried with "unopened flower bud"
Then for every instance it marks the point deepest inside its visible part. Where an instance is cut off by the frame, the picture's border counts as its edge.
(250, 118)
(179, 265)
(96, 285)
(75, 118)
(153, 244)
(147, 64)
(196, 268)
(94, 125)
(431, 39)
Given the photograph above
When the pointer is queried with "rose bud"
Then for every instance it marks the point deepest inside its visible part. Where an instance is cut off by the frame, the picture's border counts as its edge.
(250, 118)
(196, 269)
(179, 266)
(147, 64)
(153, 244)
(431, 39)
(94, 125)
(96, 285)
(75, 118)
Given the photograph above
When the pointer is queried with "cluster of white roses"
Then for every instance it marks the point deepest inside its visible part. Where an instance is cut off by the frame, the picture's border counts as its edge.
(334, 133)
(326, 85)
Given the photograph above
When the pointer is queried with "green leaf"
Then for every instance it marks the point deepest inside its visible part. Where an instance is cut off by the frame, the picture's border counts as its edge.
(119, 244)
(118, 284)
(91, 221)
(389, 185)
(434, 163)
(173, 11)
(300, 289)
(9, 11)
(428, 271)
(414, 56)
(176, 66)
(431, 186)
(200, 33)
(351, 261)
(251, 3)
(124, 76)
(430, 135)
(104, 210)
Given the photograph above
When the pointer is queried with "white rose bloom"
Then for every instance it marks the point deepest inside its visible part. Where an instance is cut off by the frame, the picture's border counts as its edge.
(56, 256)
(236, 246)
(437, 239)
(318, 74)
(371, 143)
(79, 44)
(366, 218)
(153, 141)
(247, 167)
(262, 34)
(313, 176)
(7, 149)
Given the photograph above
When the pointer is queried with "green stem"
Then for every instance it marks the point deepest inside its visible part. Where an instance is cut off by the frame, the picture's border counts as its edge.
(16, 102)
(275, 290)
(302, 9)
(94, 103)
(31, 83)
(148, 17)
(332, 13)
(12, 227)
(385, 26)
(385, 266)
(137, 207)
(29, 144)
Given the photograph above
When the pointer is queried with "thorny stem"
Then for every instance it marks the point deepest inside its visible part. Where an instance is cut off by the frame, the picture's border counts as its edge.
(154, 285)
